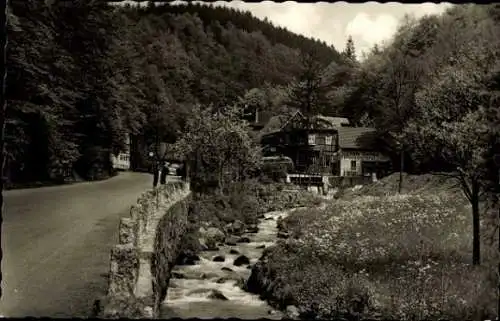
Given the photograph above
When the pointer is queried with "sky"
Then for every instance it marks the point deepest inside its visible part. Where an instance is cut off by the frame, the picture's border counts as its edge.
(368, 23)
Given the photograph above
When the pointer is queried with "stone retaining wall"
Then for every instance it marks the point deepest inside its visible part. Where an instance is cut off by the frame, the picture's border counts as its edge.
(140, 264)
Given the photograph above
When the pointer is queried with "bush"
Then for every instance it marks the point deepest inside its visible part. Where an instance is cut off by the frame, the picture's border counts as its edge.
(239, 202)
(276, 197)
(393, 257)
(247, 201)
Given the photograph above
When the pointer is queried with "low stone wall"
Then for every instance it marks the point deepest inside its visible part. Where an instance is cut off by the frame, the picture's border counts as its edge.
(168, 244)
(349, 181)
(140, 264)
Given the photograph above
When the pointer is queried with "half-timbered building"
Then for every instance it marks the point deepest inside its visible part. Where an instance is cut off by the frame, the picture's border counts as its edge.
(324, 146)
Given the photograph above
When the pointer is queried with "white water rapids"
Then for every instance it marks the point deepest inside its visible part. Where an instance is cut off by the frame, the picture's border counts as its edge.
(188, 296)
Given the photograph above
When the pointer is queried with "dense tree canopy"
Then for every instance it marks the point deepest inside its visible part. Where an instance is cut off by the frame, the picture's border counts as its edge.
(84, 74)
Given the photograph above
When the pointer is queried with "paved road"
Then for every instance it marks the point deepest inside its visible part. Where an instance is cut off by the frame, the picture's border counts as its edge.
(56, 243)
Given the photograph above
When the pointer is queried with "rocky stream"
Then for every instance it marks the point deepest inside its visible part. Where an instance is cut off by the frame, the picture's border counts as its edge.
(211, 285)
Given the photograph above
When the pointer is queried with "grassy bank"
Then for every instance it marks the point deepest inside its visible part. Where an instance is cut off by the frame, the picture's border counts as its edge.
(384, 256)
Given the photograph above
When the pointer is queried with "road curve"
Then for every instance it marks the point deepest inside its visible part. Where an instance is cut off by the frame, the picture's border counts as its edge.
(56, 243)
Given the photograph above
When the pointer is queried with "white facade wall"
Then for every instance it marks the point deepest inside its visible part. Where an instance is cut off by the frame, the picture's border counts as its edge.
(346, 168)
(347, 157)
(122, 160)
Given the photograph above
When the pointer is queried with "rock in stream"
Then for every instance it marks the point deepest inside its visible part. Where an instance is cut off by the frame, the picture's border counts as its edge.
(220, 293)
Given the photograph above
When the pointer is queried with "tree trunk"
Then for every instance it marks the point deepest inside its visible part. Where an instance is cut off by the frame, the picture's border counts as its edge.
(476, 241)
(401, 167)
(3, 106)
(156, 174)
(163, 175)
(186, 171)
(219, 178)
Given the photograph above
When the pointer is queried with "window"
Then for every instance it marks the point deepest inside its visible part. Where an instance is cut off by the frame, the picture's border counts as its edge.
(328, 140)
(312, 139)
(353, 165)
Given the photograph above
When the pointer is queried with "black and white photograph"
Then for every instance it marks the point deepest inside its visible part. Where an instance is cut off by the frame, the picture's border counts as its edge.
(250, 160)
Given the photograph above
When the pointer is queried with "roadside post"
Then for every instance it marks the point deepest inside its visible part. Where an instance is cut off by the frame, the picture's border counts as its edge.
(155, 177)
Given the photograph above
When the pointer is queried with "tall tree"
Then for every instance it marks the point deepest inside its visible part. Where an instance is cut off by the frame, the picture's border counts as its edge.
(41, 113)
(455, 124)
(350, 51)
(310, 92)
(3, 104)
(218, 148)
(395, 102)
(254, 102)
(98, 121)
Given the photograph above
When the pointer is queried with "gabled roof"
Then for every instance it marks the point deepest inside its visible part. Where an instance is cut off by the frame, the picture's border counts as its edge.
(357, 138)
(294, 114)
(277, 123)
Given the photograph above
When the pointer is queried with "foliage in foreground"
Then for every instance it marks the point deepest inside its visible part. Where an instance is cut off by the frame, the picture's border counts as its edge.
(218, 149)
(247, 201)
(392, 257)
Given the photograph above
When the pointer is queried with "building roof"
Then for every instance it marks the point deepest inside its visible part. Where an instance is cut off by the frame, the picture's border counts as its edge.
(277, 123)
(357, 138)
(334, 121)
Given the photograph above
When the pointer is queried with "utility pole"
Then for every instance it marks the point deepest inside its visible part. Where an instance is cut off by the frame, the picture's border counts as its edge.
(3, 106)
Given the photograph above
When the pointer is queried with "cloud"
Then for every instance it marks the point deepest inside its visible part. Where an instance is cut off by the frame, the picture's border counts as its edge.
(376, 26)
(367, 30)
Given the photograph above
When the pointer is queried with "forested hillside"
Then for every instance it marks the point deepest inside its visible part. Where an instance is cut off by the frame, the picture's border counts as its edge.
(83, 74)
